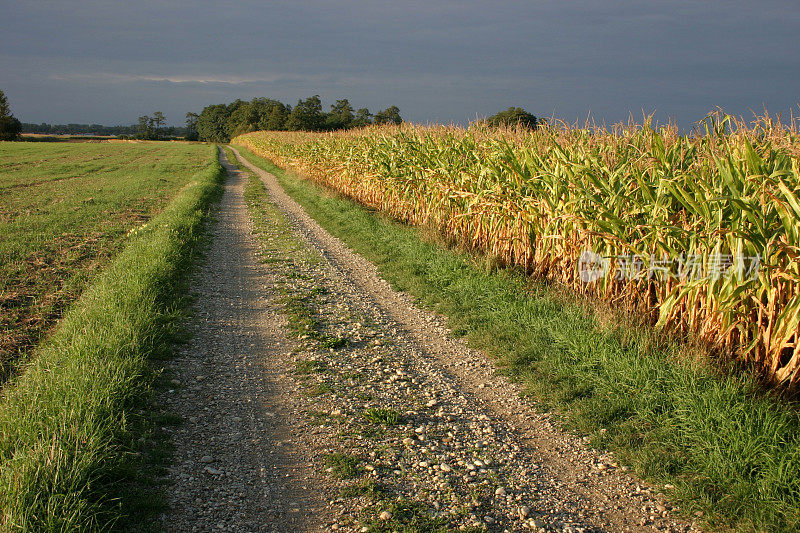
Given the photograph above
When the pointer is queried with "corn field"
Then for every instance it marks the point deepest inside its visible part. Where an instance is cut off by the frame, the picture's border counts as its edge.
(700, 232)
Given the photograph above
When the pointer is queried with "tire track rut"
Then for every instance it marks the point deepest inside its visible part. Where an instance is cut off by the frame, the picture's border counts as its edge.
(240, 462)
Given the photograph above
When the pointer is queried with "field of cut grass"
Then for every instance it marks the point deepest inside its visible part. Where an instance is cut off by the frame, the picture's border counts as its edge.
(76, 423)
(730, 452)
(65, 210)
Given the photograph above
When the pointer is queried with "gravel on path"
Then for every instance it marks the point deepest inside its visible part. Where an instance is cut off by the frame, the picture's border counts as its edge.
(426, 420)
(240, 462)
(316, 398)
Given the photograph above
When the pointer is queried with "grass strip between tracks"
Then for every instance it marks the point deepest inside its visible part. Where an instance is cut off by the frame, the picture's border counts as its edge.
(722, 450)
(69, 445)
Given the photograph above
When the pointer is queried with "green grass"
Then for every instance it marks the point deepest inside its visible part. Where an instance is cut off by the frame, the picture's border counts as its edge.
(65, 212)
(730, 450)
(309, 366)
(384, 417)
(406, 517)
(70, 423)
(344, 466)
(368, 488)
(318, 390)
(302, 319)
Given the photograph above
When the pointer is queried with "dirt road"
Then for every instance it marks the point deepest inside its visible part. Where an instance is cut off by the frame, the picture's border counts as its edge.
(316, 398)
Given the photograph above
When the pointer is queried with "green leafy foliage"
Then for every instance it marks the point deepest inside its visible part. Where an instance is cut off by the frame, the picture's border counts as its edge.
(390, 115)
(10, 127)
(340, 117)
(307, 115)
(513, 116)
(191, 127)
(222, 122)
(152, 128)
(212, 123)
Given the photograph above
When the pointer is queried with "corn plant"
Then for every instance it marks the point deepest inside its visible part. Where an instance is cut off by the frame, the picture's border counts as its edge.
(650, 201)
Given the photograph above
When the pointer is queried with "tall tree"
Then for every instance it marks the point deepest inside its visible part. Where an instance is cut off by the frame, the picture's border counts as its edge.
(10, 127)
(341, 115)
(191, 126)
(390, 115)
(243, 119)
(158, 124)
(513, 116)
(307, 115)
(144, 130)
(5, 109)
(363, 118)
(276, 120)
(212, 124)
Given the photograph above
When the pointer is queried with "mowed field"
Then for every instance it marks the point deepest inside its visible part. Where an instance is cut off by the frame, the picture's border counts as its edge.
(65, 210)
(96, 243)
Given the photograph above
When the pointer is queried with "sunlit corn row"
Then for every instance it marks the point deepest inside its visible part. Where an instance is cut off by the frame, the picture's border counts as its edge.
(699, 232)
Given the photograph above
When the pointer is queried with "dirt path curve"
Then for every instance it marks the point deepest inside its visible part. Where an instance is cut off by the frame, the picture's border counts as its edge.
(238, 465)
(545, 479)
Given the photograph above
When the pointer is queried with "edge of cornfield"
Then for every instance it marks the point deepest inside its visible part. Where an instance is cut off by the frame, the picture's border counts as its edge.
(76, 434)
(722, 448)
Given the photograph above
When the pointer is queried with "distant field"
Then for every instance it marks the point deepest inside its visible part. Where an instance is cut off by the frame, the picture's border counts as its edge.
(41, 137)
(65, 209)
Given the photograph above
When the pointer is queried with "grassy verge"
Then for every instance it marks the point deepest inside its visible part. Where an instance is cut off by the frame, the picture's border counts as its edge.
(726, 452)
(70, 423)
(65, 212)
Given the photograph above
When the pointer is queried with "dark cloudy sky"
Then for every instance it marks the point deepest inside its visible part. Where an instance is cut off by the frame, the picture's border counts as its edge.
(438, 60)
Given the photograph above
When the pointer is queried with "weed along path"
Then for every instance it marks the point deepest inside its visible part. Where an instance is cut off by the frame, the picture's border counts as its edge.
(316, 398)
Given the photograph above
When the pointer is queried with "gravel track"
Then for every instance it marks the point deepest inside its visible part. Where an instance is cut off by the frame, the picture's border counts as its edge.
(328, 401)
(237, 464)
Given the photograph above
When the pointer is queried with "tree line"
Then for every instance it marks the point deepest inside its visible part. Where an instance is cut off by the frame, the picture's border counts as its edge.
(154, 129)
(78, 129)
(147, 128)
(221, 122)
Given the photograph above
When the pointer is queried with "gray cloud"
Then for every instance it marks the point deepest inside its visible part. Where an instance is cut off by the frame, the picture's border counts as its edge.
(449, 61)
